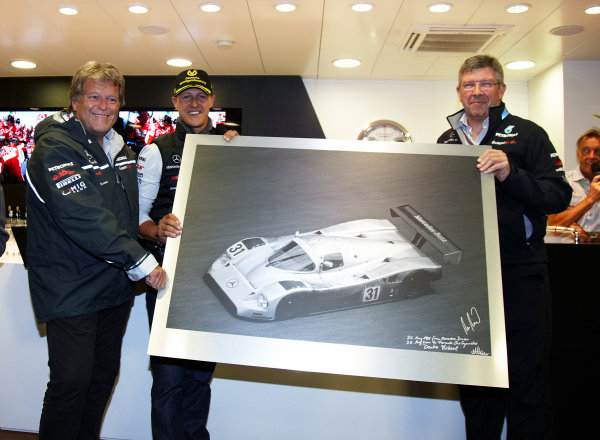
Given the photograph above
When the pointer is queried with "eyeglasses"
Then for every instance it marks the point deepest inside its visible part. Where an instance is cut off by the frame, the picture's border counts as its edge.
(587, 150)
(483, 85)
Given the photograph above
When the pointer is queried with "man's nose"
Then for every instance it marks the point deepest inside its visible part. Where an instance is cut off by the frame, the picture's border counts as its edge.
(102, 102)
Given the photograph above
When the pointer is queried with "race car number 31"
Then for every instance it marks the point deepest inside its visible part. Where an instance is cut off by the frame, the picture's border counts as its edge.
(371, 293)
(237, 249)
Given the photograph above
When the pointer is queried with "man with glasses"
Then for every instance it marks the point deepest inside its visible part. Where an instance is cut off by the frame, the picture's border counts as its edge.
(583, 212)
(530, 184)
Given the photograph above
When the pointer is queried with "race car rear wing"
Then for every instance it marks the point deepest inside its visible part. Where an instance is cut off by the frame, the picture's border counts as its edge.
(427, 232)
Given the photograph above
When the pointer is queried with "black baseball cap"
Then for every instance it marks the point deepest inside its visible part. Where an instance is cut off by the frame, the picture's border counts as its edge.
(193, 78)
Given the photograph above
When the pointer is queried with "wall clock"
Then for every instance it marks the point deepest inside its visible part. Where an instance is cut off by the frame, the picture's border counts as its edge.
(385, 130)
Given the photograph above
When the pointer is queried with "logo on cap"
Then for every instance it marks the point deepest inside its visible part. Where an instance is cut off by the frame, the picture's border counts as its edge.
(193, 78)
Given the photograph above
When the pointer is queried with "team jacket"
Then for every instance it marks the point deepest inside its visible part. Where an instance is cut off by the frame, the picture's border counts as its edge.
(82, 247)
(170, 147)
(535, 187)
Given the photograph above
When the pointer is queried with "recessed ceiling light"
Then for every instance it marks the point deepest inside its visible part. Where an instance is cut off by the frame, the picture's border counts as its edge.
(520, 65)
(517, 8)
(346, 62)
(286, 6)
(362, 6)
(565, 31)
(594, 9)
(179, 62)
(210, 7)
(440, 7)
(138, 9)
(68, 10)
(23, 64)
(151, 29)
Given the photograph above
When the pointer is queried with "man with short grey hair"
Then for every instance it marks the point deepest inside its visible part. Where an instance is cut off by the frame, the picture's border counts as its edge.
(583, 213)
(530, 184)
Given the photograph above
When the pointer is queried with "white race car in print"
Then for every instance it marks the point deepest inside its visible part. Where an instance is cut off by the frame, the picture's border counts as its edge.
(350, 264)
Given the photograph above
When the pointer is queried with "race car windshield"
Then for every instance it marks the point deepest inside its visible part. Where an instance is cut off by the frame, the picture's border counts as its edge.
(292, 257)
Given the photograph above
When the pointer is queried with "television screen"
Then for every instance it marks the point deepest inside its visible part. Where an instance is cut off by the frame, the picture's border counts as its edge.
(137, 126)
(140, 127)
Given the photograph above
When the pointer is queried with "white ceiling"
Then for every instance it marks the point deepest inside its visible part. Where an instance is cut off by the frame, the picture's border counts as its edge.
(267, 42)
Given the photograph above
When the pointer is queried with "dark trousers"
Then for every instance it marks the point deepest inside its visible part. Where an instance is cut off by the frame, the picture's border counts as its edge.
(84, 355)
(180, 394)
(527, 403)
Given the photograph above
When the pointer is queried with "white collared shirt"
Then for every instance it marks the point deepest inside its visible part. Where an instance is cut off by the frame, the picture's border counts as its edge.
(112, 143)
(468, 131)
(590, 221)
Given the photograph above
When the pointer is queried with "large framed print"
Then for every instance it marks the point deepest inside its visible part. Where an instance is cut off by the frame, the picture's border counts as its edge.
(369, 259)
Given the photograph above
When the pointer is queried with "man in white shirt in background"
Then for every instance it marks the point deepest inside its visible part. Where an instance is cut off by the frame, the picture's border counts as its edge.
(583, 213)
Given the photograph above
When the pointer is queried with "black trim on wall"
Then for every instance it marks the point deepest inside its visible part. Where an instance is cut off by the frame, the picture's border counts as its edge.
(276, 106)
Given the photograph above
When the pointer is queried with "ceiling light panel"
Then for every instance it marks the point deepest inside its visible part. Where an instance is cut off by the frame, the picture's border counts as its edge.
(346, 63)
(179, 62)
(23, 64)
(518, 8)
(362, 6)
(440, 7)
(138, 9)
(286, 6)
(68, 10)
(593, 10)
(520, 65)
(210, 7)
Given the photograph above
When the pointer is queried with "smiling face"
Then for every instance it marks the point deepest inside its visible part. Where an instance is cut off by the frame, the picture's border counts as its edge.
(477, 96)
(588, 153)
(193, 106)
(97, 107)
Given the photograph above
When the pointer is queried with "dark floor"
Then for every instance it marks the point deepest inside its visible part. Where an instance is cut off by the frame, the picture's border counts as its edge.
(14, 435)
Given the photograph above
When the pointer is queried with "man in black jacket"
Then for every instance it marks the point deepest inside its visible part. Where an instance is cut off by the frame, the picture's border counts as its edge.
(180, 388)
(530, 184)
(82, 249)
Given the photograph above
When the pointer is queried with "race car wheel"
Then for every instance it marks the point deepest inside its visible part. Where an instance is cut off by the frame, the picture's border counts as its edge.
(414, 284)
(289, 307)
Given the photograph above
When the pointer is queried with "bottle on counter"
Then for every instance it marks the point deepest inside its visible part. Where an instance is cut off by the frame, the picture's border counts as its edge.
(10, 214)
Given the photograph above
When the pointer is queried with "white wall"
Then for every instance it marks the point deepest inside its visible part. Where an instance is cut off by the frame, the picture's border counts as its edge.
(581, 102)
(546, 104)
(345, 107)
(564, 100)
